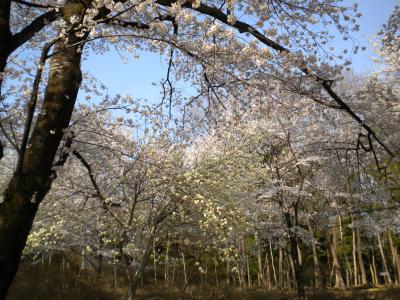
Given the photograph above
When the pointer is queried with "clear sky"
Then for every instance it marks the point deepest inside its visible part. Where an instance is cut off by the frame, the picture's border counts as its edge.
(136, 76)
(374, 14)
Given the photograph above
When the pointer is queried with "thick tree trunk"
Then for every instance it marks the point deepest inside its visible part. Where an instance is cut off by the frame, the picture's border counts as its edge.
(5, 36)
(3, 62)
(30, 185)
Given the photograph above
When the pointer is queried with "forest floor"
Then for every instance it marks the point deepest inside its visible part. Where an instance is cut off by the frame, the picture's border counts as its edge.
(36, 283)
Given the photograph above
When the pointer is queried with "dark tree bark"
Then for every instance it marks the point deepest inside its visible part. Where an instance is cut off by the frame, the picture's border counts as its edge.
(293, 244)
(5, 35)
(31, 183)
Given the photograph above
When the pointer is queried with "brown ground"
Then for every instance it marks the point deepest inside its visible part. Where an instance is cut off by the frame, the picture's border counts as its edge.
(40, 283)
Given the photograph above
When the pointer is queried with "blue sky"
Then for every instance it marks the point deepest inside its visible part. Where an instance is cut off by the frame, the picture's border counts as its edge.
(374, 14)
(136, 76)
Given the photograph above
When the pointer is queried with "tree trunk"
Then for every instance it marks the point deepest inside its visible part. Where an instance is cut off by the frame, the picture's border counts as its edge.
(228, 272)
(30, 185)
(395, 260)
(273, 265)
(135, 279)
(266, 270)
(317, 272)
(155, 263)
(260, 275)
(360, 258)
(166, 265)
(215, 271)
(185, 280)
(339, 282)
(280, 266)
(5, 35)
(296, 257)
(291, 264)
(388, 279)
(132, 288)
(349, 273)
(375, 274)
(297, 268)
(355, 257)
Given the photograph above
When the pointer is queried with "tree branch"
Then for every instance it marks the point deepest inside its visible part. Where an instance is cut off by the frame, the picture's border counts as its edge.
(32, 4)
(34, 27)
(243, 27)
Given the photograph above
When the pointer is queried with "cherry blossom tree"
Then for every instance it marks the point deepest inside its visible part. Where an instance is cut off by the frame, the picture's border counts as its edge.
(231, 48)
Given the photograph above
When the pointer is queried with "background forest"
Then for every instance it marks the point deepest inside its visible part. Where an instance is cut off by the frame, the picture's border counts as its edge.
(266, 169)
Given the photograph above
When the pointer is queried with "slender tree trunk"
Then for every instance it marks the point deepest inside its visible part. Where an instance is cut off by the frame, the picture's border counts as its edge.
(297, 268)
(155, 262)
(32, 182)
(83, 260)
(388, 279)
(360, 258)
(375, 273)
(248, 271)
(216, 273)
(260, 276)
(228, 272)
(115, 272)
(339, 282)
(371, 270)
(296, 257)
(239, 274)
(289, 281)
(185, 280)
(330, 270)
(349, 274)
(395, 259)
(266, 270)
(166, 265)
(292, 268)
(242, 264)
(173, 272)
(317, 272)
(273, 265)
(136, 278)
(354, 248)
(280, 266)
